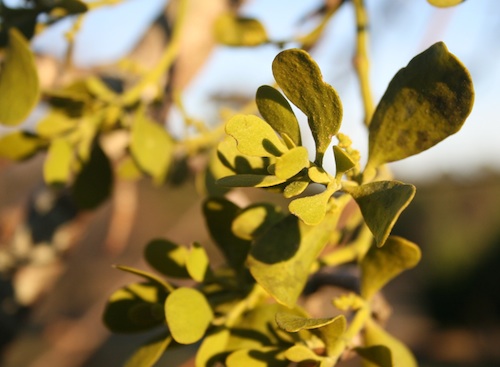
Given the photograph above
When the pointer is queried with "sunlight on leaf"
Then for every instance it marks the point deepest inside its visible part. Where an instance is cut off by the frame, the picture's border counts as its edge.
(300, 78)
(19, 145)
(149, 353)
(425, 102)
(293, 323)
(213, 347)
(255, 220)
(58, 164)
(312, 209)
(300, 353)
(380, 265)
(197, 263)
(292, 162)
(261, 357)
(167, 258)
(295, 188)
(19, 85)
(188, 315)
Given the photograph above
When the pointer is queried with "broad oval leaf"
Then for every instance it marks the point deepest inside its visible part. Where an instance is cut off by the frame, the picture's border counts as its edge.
(293, 322)
(445, 3)
(381, 203)
(198, 263)
(255, 137)
(425, 102)
(57, 167)
(312, 209)
(188, 315)
(19, 145)
(375, 335)
(278, 113)
(19, 85)
(292, 162)
(151, 147)
(167, 257)
(55, 123)
(255, 220)
(135, 307)
(231, 30)
(295, 188)
(380, 265)
(300, 78)
(149, 353)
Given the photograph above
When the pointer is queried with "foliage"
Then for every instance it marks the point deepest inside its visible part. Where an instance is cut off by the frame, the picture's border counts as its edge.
(248, 311)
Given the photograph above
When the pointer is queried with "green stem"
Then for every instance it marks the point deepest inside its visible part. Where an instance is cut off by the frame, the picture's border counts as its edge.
(361, 59)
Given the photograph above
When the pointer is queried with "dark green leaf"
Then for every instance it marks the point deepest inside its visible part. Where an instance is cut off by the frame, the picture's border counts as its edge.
(255, 220)
(343, 162)
(300, 79)
(425, 102)
(167, 258)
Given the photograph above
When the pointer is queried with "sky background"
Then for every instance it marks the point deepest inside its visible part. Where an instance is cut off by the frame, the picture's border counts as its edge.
(400, 29)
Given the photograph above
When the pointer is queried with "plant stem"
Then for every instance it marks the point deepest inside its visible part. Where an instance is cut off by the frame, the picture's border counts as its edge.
(361, 59)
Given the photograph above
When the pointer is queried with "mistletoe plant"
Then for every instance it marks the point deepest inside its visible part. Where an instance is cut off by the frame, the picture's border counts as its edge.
(248, 312)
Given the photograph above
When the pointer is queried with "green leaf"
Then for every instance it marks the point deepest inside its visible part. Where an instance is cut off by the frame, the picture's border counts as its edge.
(300, 79)
(94, 183)
(151, 147)
(295, 188)
(445, 3)
(135, 307)
(146, 275)
(234, 162)
(19, 145)
(300, 353)
(292, 162)
(378, 355)
(188, 315)
(332, 334)
(261, 357)
(319, 175)
(219, 214)
(198, 263)
(167, 258)
(149, 353)
(255, 137)
(312, 209)
(55, 123)
(57, 166)
(343, 162)
(231, 30)
(381, 203)
(280, 260)
(213, 347)
(293, 323)
(277, 112)
(249, 180)
(255, 220)
(425, 102)
(380, 265)
(19, 85)
(375, 335)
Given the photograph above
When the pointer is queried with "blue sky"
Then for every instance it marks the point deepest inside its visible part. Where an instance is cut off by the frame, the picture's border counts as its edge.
(398, 33)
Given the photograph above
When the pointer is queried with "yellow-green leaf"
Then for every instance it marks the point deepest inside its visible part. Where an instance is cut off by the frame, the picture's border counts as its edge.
(291, 162)
(231, 30)
(167, 258)
(128, 170)
(343, 161)
(198, 263)
(376, 355)
(299, 353)
(19, 145)
(300, 78)
(229, 157)
(19, 85)
(332, 334)
(312, 209)
(278, 113)
(381, 203)
(255, 137)
(261, 357)
(293, 322)
(295, 188)
(249, 180)
(146, 275)
(55, 123)
(375, 335)
(188, 315)
(445, 3)
(380, 265)
(149, 353)
(424, 103)
(213, 346)
(319, 175)
(59, 161)
(151, 147)
(255, 220)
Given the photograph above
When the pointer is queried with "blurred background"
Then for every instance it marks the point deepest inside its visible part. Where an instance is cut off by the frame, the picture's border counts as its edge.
(447, 309)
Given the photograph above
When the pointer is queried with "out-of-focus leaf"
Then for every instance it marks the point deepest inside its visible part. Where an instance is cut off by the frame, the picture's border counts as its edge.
(167, 258)
(300, 353)
(219, 214)
(231, 30)
(332, 333)
(292, 162)
(425, 102)
(312, 209)
(380, 265)
(55, 123)
(94, 183)
(375, 335)
(19, 145)
(19, 85)
(293, 323)
(152, 147)
(249, 180)
(135, 307)
(255, 220)
(99, 89)
(280, 260)
(255, 137)
(375, 356)
(146, 275)
(213, 347)
(149, 353)
(57, 167)
(381, 203)
(188, 315)
(261, 357)
(276, 110)
(445, 3)
(128, 170)
(300, 78)
(198, 263)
